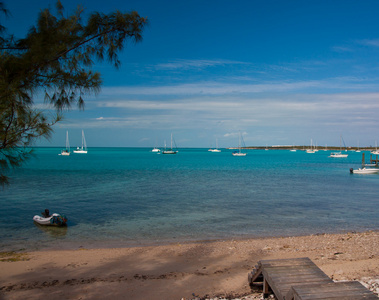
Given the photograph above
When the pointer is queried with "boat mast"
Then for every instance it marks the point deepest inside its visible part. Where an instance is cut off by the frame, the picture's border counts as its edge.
(67, 142)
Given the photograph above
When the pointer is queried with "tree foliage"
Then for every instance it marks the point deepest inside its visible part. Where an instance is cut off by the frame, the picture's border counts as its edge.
(56, 58)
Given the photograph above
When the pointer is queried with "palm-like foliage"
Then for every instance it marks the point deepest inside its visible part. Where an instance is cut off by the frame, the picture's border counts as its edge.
(56, 57)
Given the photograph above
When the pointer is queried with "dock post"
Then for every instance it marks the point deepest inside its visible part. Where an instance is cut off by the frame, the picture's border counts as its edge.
(363, 160)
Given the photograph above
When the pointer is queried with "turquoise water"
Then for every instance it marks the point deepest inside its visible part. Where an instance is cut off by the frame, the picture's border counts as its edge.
(131, 196)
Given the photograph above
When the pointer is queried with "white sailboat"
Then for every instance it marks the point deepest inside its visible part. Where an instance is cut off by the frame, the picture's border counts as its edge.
(239, 153)
(169, 151)
(66, 152)
(216, 149)
(339, 154)
(312, 149)
(358, 150)
(376, 151)
(83, 149)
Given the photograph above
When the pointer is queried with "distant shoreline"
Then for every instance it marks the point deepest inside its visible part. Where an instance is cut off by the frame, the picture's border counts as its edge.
(304, 148)
(301, 148)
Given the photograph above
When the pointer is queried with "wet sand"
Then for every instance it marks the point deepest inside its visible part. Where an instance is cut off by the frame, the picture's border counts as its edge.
(176, 271)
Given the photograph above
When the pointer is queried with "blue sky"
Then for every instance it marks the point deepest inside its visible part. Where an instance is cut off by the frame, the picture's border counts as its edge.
(280, 72)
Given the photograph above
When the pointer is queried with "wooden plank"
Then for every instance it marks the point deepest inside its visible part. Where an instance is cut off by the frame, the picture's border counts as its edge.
(301, 279)
(333, 290)
(314, 272)
(286, 262)
(282, 274)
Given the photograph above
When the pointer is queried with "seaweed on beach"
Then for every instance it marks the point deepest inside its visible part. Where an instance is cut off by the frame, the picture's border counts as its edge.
(12, 256)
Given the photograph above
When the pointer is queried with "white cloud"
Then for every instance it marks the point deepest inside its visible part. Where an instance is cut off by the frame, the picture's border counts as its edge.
(369, 42)
(186, 64)
(223, 88)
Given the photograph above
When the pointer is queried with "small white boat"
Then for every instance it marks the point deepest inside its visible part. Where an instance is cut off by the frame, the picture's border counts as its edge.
(155, 150)
(239, 153)
(53, 220)
(171, 150)
(66, 152)
(215, 149)
(312, 149)
(339, 154)
(364, 171)
(83, 149)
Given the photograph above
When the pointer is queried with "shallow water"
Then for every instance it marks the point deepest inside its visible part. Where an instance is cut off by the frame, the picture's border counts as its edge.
(131, 196)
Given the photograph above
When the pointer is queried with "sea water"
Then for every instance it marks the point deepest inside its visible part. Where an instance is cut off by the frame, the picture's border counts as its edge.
(132, 196)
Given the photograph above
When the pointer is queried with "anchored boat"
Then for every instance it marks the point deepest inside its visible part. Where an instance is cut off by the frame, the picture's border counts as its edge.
(50, 220)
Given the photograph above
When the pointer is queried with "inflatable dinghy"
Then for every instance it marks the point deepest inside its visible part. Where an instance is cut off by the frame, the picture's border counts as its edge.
(54, 220)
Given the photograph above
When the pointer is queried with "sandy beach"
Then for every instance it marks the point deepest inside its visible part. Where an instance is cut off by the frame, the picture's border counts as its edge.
(176, 271)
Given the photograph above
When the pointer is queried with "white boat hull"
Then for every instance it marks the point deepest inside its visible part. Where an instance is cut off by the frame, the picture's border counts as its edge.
(364, 171)
(214, 150)
(239, 154)
(338, 155)
(80, 151)
(169, 152)
(54, 220)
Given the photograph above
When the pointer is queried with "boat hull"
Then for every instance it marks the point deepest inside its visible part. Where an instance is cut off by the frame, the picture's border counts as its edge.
(239, 154)
(80, 151)
(169, 152)
(364, 171)
(54, 220)
(338, 155)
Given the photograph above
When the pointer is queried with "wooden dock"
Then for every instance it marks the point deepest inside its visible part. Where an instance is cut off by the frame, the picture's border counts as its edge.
(350, 290)
(373, 161)
(300, 279)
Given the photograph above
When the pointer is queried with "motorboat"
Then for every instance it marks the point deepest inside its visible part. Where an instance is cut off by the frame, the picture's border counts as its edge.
(338, 154)
(52, 220)
(364, 171)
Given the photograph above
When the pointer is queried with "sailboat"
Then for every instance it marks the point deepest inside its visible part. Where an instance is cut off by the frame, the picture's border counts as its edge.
(216, 149)
(358, 150)
(339, 154)
(239, 153)
(376, 151)
(66, 152)
(83, 149)
(312, 149)
(169, 151)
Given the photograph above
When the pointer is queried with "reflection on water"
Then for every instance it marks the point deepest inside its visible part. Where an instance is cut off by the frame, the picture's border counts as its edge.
(52, 231)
